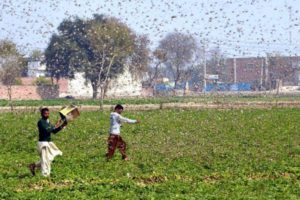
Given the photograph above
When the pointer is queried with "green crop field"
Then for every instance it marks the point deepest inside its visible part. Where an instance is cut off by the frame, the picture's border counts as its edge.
(175, 154)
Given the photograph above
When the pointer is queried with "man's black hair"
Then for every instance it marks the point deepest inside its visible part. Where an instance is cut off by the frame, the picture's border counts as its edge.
(44, 110)
(119, 106)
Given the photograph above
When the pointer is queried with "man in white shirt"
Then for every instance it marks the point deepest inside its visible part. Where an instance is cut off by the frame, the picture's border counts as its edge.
(114, 139)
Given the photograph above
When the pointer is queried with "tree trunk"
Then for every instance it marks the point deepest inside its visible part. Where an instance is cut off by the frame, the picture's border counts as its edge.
(184, 90)
(105, 89)
(153, 90)
(95, 90)
(9, 93)
(154, 79)
(104, 83)
(175, 86)
(101, 98)
(177, 78)
(99, 79)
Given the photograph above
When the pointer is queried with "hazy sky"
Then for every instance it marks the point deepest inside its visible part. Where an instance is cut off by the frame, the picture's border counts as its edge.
(238, 27)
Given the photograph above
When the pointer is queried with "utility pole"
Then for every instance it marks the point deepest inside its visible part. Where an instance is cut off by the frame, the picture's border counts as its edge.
(266, 71)
(204, 66)
(290, 41)
(296, 71)
(234, 70)
(261, 72)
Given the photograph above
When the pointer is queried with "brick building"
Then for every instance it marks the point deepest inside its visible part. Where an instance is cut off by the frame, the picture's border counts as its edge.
(261, 71)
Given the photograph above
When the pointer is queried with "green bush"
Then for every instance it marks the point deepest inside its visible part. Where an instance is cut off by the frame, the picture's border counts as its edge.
(42, 81)
(18, 81)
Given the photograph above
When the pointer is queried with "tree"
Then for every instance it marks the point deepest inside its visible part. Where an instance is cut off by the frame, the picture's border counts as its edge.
(140, 58)
(194, 70)
(280, 69)
(100, 47)
(111, 43)
(158, 57)
(179, 49)
(215, 61)
(216, 64)
(11, 66)
(57, 57)
(36, 55)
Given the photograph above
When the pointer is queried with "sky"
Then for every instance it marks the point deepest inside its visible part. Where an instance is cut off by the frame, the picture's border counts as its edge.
(237, 27)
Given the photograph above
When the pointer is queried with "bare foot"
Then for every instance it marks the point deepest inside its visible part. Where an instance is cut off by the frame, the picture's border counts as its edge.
(32, 169)
(126, 159)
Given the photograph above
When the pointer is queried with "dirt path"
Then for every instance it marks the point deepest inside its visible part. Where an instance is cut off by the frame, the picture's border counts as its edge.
(234, 105)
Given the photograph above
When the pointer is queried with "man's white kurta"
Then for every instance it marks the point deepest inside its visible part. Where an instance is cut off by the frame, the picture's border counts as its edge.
(47, 151)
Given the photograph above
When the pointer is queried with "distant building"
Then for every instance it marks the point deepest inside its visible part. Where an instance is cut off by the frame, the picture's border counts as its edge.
(36, 68)
(122, 86)
(261, 71)
(163, 80)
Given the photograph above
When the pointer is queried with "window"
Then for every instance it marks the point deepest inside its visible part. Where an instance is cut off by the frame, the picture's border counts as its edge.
(250, 65)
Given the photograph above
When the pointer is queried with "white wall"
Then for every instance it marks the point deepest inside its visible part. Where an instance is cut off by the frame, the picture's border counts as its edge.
(77, 87)
(123, 86)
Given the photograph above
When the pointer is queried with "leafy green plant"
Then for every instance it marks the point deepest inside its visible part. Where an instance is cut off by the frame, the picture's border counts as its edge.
(42, 81)
(175, 154)
(18, 81)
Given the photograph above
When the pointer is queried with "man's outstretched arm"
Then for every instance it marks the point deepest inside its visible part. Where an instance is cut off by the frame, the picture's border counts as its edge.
(127, 120)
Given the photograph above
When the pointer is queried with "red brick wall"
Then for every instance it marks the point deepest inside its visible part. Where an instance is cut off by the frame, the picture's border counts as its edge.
(249, 69)
(20, 93)
(28, 91)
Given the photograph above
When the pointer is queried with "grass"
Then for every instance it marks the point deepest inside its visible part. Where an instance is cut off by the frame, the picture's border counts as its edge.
(54, 102)
(212, 98)
(175, 154)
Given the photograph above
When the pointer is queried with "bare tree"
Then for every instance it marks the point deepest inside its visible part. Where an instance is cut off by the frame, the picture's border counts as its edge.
(280, 70)
(11, 66)
(158, 57)
(139, 61)
(179, 49)
(194, 69)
